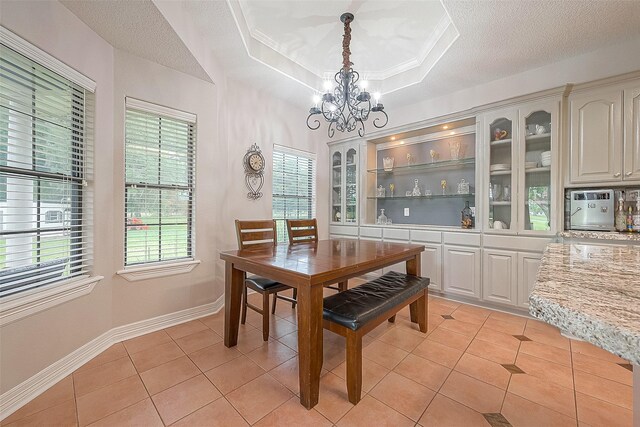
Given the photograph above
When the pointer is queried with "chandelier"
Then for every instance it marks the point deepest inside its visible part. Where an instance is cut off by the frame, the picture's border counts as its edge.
(348, 106)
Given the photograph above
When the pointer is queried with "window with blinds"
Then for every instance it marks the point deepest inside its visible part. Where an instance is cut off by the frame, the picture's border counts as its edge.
(159, 187)
(42, 170)
(294, 187)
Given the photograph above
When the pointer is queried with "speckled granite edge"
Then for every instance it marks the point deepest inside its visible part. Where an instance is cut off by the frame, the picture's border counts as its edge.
(608, 337)
(599, 235)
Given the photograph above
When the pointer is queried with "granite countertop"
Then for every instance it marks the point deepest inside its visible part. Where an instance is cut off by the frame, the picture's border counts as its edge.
(599, 235)
(592, 292)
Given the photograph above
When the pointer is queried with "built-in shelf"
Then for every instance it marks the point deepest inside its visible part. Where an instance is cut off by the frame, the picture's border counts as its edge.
(539, 137)
(433, 196)
(497, 173)
(500, 203)
(539, 170)
(445, 164)
(538, 202)
(500, 142)
(337, 166)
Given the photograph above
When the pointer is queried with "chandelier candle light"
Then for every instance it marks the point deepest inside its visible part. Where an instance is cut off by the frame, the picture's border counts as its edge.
(349, 105)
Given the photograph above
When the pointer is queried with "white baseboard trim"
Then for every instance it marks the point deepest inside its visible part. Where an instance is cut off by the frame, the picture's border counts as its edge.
(25, 392)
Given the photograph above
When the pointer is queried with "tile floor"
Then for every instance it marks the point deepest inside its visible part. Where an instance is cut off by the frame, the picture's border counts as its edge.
(475, 367)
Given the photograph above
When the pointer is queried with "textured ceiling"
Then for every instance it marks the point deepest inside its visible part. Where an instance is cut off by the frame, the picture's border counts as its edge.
(137, 27)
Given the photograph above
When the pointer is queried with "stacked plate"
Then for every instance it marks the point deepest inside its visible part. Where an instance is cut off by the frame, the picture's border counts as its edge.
(530, 165)
(500, 167)
(545, 158)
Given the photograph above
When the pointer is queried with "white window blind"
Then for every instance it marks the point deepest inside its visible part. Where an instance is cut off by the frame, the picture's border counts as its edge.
(43, 161)
(159, 186)
(294, 187)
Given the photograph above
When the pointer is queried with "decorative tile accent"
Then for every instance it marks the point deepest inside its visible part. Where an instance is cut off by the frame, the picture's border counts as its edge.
(627, 366)
(496, 420)
(447, 316)
(522, 337)
(512, 368)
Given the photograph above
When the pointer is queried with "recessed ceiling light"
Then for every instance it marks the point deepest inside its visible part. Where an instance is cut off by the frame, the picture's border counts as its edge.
(445, 127)
(401, 142)
(452, 133)
(393, 138)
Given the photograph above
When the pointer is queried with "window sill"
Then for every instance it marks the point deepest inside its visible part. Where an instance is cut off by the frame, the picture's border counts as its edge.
(134, 274)
(15, 307)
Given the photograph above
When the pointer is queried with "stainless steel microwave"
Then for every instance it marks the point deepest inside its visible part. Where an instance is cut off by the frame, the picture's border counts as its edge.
(592, 210)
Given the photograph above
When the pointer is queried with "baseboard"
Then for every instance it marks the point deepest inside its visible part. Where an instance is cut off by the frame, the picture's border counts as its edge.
(33, 387)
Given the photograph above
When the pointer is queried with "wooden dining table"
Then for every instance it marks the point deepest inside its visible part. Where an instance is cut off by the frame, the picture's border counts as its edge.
(308, 268)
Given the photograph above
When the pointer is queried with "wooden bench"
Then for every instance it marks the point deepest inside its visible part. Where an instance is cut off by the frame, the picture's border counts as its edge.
(357, 311)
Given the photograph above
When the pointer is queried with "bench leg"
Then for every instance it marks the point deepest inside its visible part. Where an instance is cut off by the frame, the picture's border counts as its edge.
(392, 319)
(243, 318)
(343, 286)
(421, 309)
(265, 316)
(354, 366)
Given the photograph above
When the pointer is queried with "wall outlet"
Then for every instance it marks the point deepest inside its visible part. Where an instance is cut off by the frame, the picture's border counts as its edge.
(406, 211)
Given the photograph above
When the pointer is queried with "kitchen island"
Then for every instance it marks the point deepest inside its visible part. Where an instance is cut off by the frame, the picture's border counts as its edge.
(593, 293)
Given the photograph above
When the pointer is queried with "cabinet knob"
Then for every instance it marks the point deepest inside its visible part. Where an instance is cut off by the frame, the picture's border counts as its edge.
(616, 175)
(628, 173)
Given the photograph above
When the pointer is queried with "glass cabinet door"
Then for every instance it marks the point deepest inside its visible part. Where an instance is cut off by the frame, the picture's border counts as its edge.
(336, 186)
(536, 201)
(501, 175)
(350, 185)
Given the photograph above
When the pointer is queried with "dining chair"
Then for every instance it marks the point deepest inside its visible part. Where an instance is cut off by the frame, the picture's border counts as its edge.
(252, 235)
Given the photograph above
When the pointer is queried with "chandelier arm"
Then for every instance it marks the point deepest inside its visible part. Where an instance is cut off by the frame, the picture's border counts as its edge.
(316, 122)
(386, 120)
(330, 129)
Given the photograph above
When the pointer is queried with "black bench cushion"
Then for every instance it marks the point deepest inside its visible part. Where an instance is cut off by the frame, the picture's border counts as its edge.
(357, 306)
(264, 284)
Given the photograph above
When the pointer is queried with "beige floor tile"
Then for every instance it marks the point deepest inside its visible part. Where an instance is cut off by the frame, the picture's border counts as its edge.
(334, 354)
(484, 370)
(498, 338)
(198, 341)
(585, 348)
(401, 338)
(156, 356)
(250, 339)
(63, 414)
(372, 373)
(439, 353)
(281, 327)
(404, 395)
(546, 337)
(473, 393)
(602, 368)
(384, 354)
(423, 371)
(271, 355)
(545, 370)
(604, 389)
(212, 356)
(522, 412)
(185, 398)
(257, 398)
(290, 340)
(460, 327)
(510, 327)
(114, 352)
(471, 309)
(169, 374)
(215, 322)
(146, 341)
(57, 394)
(88, 380)
(219, 413)
(450, 339)
(547, 394)
(141, 414)
(545, 327)
(447, 412)
(187, 328)
(287, 375)
(546, 352)
(470, 316)
(493, 352)
(110, 399)
(333, 401)
(371, 412)
(292, 412)
(602, 414)
(234, 374)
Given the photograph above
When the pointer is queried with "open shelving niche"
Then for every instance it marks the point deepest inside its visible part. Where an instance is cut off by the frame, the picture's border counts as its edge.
(437, 209)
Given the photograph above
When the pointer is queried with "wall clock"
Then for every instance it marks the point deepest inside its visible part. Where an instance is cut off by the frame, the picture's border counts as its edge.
(254, 171)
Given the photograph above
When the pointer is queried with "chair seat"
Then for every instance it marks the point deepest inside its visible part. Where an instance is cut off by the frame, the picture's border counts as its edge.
(355, 307)
(264, 284)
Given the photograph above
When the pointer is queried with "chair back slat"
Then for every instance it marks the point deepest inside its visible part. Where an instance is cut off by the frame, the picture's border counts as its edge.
(302, 230)
(260, 234)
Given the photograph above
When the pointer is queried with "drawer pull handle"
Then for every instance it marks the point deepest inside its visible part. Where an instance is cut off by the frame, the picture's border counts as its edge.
(616, 175)
(628, 173)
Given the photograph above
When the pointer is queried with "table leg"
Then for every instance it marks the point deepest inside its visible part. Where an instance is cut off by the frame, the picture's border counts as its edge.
(414, 269)
(636, 396)
(309, 343)
(233, 283)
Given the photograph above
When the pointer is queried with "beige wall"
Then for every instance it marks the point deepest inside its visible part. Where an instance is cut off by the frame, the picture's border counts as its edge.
(230, 118)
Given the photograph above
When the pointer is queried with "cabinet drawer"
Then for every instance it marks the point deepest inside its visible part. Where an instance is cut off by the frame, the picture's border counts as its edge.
(395, 234)
(516, 243)
(466, 239)
(343, 230)
(370, 232)
(426, 236)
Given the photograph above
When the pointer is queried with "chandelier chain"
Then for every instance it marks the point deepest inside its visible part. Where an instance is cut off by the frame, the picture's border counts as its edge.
(346, 41)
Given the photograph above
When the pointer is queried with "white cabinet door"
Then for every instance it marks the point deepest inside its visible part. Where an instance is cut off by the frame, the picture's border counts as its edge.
(632, 134)
(596, 136)
(432, 265)
(527, 270)
(461, 272)
(499, 276)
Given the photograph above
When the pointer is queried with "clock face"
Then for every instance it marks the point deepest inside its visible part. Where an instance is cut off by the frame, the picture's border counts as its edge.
(256, 162)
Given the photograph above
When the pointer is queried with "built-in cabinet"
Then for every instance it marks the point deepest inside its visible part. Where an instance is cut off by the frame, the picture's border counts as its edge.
(528, 264)
(604, 134)
(461, 270)
(345, 170)
(499, 276)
